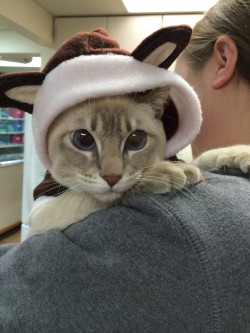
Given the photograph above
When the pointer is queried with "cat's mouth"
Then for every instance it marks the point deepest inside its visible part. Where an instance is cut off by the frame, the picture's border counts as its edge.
(108, 196)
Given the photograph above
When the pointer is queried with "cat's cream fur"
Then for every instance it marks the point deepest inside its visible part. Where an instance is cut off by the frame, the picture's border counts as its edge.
(110, 120)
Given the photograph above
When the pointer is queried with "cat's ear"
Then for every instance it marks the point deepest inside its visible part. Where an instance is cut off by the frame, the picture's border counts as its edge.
(163, 46)
(157, 98)
(19, 90)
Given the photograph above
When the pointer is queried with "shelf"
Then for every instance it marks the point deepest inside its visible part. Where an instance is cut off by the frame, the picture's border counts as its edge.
(9, 163)
(11, 133)
(11, 136)
(11, 145)
(11, 119)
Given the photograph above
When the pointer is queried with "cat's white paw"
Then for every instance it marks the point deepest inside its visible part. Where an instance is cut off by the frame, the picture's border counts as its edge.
(38, 220)
(192, 173)
(44, 215)
(168, 176)
(61, 211)
(237, 156)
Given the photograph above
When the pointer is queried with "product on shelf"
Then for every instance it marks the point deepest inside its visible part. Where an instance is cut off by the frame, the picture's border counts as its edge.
(15, 113)
(16, 138)
(4, 139)
(18, 125)
(11, 134)
(11, 157)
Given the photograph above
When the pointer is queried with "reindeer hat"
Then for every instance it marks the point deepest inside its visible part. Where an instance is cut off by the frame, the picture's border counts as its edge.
(91, 65)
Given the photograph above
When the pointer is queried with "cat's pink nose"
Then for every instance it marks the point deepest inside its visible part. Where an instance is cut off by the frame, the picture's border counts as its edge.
(112, 180)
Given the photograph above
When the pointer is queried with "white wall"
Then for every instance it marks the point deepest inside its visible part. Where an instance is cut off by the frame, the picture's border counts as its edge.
(128, 30)
(33, 169)
(29, 19)
(10, 196)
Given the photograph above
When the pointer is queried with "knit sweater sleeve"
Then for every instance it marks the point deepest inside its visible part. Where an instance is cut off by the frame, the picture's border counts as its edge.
(157, 263)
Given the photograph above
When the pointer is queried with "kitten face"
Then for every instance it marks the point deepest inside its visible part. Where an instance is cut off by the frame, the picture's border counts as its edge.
(101, 146)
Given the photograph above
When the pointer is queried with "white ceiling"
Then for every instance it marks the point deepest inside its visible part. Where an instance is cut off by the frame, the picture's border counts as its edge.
(113, 7)
(76, 8)
(83, 7)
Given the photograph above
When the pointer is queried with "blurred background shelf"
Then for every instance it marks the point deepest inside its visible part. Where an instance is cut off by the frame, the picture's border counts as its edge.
(11, 145)
(11, 134)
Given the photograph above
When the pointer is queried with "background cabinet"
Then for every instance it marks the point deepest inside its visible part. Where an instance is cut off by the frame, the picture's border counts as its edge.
(11, 134)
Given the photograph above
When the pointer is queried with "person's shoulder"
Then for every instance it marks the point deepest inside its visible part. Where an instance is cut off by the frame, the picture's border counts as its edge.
(230, 178)
(221, 195)
(230, 184)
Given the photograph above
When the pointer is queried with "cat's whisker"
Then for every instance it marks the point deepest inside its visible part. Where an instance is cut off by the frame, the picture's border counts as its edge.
(154, 175)
(45, 186)
(46, 182)
(191, 197)
(65, 171)
(135, 189)
(78, 189)
(171, 182)
(191, 194)
(50, 189)
(54, 183)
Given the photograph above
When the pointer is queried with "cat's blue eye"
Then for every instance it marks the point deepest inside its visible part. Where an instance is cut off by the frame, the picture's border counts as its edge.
(83, 140)
(136, 140)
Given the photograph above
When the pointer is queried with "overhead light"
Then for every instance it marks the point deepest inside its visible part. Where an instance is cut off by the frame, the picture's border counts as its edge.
(164, 6)
(15, 58)
(35, 62)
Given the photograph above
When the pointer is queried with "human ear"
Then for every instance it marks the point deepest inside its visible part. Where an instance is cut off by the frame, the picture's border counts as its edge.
(226, 55)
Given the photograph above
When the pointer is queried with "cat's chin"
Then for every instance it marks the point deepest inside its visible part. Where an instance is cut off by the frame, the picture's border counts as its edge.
(109, 196)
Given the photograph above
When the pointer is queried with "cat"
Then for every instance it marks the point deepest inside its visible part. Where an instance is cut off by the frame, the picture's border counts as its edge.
(105, 149)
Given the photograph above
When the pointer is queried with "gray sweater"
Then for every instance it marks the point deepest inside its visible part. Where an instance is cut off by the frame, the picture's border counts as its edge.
(157, 263)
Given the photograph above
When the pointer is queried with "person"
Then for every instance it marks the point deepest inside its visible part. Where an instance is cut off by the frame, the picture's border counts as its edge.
(217, 64)
(177, 262)
(156, 263)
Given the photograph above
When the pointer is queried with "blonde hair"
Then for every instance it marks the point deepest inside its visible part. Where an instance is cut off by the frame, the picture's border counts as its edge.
(227, 17)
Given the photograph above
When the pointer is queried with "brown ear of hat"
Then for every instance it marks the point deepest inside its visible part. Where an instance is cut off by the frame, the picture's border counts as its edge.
(158, 42)
(14, 80)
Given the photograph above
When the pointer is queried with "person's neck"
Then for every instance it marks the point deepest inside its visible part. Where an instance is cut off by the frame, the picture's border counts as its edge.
(232, 125)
